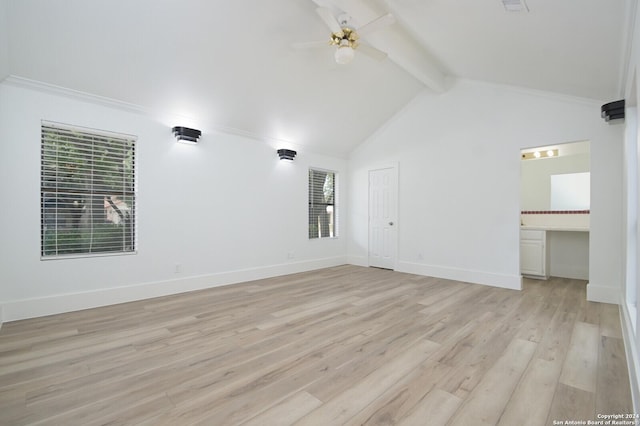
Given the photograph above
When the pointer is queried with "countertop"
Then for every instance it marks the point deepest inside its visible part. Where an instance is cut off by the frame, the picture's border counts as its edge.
(554, 228)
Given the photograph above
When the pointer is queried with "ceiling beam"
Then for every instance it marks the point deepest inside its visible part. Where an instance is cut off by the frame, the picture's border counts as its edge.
(403, 49)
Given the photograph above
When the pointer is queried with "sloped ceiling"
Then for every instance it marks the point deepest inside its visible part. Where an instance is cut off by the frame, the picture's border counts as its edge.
(230, 64)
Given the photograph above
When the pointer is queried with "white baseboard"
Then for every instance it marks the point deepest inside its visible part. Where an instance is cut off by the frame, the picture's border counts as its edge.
(513, 282)
(630, 347)
(56, 304)
(603, 294)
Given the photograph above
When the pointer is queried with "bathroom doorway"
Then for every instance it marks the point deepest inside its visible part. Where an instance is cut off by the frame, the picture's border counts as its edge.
(555, 210)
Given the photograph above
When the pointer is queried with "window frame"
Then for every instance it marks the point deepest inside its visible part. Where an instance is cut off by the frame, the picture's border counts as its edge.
(91, 184)
(332, 221)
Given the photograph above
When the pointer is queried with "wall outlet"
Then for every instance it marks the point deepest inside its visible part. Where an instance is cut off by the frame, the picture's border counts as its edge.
(291, 255)
(420, 256)
(178, 268)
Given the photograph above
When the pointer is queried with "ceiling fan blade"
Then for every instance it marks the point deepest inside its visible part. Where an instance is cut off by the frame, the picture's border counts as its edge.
(372, 52)
(376, 24)
(311, 44)
(330, 20)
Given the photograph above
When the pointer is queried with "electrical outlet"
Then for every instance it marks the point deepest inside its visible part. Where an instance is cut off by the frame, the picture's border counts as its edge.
(420, 257)
(291, 255)
(178, 268)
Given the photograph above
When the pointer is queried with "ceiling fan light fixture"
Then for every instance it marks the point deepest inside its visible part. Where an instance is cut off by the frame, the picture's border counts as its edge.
(515, 5)
(344, 54)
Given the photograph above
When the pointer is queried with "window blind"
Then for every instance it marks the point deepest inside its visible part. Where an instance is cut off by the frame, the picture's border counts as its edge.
(322, 208)
(87, 191)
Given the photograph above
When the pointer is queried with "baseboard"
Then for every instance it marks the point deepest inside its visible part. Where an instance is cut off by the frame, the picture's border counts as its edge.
(50, 305)
(603, 294)
(630, 347)
(513, 282)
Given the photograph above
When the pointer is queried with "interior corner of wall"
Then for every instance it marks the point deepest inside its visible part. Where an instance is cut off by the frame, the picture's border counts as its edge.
(357, 260)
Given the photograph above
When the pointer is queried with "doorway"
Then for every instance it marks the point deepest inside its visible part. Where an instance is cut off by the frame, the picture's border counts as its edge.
(555, 206)
(383, 236)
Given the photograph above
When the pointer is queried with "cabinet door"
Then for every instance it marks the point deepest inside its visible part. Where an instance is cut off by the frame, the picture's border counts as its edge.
(532, 259)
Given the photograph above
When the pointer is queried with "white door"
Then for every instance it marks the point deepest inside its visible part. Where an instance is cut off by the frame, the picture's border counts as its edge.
(382, 217)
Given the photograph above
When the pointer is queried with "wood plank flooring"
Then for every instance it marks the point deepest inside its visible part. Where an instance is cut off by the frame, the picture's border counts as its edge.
(344, 345)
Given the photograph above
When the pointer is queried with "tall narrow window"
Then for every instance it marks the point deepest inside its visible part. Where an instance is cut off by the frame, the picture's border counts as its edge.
(322, 207)
(87, 192)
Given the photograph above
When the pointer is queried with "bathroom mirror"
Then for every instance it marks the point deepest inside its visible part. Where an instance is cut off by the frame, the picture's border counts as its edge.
(571, 191)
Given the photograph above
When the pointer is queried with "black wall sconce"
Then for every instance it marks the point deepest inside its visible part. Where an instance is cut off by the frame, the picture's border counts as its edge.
(613, 110)
(185, 134)
(286, 154)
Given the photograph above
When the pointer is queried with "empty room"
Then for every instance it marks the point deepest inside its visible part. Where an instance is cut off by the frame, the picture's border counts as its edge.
(319, 212)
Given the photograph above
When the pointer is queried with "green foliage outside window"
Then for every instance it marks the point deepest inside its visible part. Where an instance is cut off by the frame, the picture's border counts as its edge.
(87, 192)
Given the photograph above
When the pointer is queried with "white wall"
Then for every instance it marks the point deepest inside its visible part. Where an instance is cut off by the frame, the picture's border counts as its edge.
(459, 181)
(631, 232)
(226, 210)
(4, 41)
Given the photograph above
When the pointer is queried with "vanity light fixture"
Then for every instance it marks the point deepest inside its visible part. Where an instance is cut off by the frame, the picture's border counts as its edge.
(539, 154)
(286, 154)
(186, 135)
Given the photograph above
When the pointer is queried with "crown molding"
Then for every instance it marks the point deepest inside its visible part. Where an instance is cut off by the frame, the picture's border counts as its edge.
(53, 89)
(564, 97)
(25, 83)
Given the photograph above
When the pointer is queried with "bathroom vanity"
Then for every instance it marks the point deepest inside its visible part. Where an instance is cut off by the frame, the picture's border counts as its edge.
(554, 244)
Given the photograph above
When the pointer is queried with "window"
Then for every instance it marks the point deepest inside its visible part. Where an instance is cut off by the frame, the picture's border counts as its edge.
(87, 192)
(322, 207)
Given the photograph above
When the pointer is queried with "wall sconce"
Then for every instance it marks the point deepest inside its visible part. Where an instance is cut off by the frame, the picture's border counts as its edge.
(185, 134)
(286, 154)
(613, 110)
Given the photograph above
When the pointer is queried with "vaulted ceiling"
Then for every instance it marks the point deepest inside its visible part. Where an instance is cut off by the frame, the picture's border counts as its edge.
(230, 65)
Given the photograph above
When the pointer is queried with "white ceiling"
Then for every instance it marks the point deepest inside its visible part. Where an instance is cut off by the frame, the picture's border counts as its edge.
(230, 64)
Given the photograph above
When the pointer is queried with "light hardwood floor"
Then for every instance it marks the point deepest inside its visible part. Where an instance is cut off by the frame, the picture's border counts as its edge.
(344, 345)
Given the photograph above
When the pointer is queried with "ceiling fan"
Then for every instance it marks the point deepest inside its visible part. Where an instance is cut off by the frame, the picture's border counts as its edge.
(346, 38)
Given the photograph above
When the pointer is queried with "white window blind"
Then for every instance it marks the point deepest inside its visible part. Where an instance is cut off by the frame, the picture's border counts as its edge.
(322, 207)
(87, 192)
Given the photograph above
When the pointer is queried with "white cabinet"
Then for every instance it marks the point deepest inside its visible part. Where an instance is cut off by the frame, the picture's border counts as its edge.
(534, 256)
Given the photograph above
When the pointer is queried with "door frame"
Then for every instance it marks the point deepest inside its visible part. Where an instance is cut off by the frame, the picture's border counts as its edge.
(394, 166)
